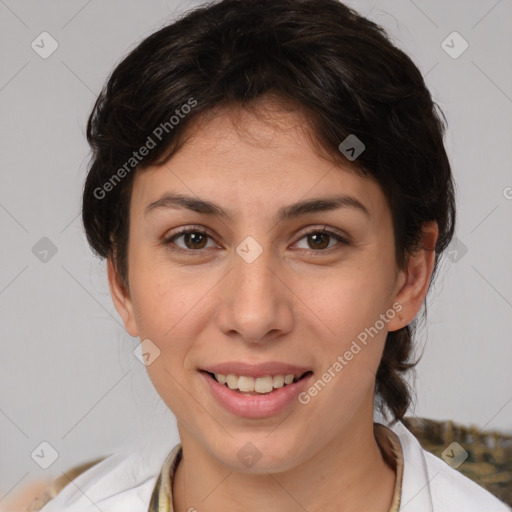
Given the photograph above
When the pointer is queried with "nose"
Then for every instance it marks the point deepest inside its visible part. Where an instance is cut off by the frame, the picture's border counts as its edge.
(256, 304)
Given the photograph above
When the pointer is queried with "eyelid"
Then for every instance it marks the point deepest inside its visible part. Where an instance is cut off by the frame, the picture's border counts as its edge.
(329, 231)
(167, 240)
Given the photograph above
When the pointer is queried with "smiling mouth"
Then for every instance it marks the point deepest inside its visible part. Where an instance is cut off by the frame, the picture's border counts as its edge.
(247, 385)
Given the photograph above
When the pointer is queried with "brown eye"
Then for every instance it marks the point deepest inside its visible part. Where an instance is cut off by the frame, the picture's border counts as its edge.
(319, 240)
(193, 240)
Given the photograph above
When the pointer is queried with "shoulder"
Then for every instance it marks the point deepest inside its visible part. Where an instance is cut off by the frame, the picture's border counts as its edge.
(451, 490)
(431, 484)
(117, 482)
(33, 496)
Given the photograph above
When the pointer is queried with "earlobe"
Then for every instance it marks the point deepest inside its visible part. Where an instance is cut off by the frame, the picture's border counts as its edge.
(121, 299)
(414, 280)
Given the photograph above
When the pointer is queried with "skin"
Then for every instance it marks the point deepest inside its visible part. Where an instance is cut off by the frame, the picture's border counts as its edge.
(299, 302)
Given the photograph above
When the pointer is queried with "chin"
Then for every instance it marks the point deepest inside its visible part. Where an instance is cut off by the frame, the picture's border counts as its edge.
(260, 453)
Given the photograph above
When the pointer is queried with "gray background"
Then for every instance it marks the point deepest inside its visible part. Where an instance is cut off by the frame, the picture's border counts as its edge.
(68, 373)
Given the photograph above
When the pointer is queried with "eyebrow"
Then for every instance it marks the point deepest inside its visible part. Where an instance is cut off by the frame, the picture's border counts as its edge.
(320, 204)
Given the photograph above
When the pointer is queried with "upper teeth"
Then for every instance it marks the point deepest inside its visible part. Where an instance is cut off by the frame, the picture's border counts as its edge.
(259, 384)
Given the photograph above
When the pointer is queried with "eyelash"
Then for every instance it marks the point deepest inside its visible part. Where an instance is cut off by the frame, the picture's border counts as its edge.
(169, 240)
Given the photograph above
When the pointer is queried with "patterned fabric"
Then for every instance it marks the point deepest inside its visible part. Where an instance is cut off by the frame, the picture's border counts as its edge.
(161, 499)
(392, 452)
(489, 453)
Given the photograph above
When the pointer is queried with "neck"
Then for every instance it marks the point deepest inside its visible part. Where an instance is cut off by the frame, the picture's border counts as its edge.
(349, 474)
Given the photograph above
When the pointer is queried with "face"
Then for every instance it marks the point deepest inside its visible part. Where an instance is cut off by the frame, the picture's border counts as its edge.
(261, 289)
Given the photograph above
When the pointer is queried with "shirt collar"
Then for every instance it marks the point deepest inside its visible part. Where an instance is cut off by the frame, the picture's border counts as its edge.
(388, 440)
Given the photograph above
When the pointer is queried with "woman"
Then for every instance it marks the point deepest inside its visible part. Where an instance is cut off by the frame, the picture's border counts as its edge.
(270, 189)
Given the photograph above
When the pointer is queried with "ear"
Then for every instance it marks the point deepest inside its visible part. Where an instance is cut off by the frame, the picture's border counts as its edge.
(413, 282)
(121, 299)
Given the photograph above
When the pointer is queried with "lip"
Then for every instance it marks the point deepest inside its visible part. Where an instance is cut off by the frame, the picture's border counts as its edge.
(256, 370)
(254, 406)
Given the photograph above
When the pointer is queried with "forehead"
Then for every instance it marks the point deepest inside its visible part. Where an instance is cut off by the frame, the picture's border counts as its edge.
(255, 159)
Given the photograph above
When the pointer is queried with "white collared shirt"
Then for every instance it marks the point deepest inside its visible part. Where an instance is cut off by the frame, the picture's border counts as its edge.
(124, 482)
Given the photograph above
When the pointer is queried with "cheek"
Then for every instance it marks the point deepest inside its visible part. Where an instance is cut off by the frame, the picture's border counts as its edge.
(351, 306)
(353, 299)
(352, 340)
(160, 294)
(164, 309)
(165, 314)
(169, 308)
